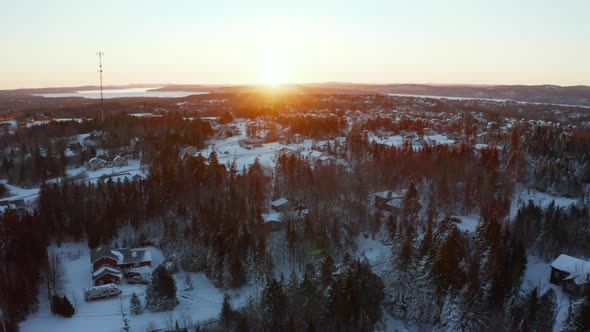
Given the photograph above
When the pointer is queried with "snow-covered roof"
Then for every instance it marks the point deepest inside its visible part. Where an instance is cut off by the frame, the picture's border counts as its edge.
(97, 160)
(129, 256)
(272, 217)
(122, 256)
(280, 201)
(388, 194)
(144, 115)
(395, 202)
(119, 256)
(315, 154)
(100, 252)
(107, 269)
(578, 269)
(101, 287)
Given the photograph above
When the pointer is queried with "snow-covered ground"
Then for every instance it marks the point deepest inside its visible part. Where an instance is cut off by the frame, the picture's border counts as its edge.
(439, 139)
(228, 150)
(395, 140)
(373, 250)
(118, 173)
(202, 303)
(133, 168)
(21, 193)
(468, 223)
(537, 275)
(523, 195)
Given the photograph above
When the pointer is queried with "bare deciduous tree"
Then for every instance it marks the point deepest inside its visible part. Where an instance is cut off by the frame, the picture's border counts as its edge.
(54, 276)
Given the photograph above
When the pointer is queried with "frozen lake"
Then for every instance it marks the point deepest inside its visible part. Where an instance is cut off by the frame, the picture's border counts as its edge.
(475, 98)
(122, 93)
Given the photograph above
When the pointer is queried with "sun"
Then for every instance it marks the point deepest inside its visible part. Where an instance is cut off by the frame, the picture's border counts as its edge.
(273, 71)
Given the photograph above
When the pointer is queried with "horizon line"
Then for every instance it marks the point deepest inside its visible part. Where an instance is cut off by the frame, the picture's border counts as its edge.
(118, 85)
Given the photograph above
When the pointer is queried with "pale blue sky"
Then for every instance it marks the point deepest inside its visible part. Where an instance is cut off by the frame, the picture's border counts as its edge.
(53, 43)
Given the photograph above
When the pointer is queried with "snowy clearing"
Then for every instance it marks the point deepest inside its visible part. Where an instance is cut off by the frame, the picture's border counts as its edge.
(537, 275)
(201, 304)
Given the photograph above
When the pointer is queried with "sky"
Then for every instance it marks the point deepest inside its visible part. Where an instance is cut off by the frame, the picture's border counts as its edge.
(54, 43)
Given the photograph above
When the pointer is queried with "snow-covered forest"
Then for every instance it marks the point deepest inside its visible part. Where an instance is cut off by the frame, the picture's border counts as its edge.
(301, 213)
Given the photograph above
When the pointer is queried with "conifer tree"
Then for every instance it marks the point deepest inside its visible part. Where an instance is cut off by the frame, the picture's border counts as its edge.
(227, 314)
(161, 292)
(67, 309)
(135, 305)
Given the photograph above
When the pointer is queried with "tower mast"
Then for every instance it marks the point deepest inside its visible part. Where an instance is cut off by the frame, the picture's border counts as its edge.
(100, 54)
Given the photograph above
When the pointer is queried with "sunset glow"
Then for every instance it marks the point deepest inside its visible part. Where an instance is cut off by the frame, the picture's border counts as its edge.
(264, 42)
(274, 71)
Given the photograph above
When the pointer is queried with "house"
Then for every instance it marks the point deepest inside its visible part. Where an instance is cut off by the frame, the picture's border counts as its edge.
(419, 141)
(409, 138)
(17, 205)
(108, 263)
(388, 201)
(276, 221)
(96, 163)
(104, 266)
(230, 130)
(286, 152)
(297, 139)
(120, 161)
(281, 205)
(106, 275)
(572, 274)
(325, 160)
(188, 150)
(251, 142)
(272, 221)
(134, 258)
(102, 255)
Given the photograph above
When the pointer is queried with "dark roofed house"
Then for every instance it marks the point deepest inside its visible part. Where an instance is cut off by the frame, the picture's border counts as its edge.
(120, 161)
(103, 255)
(96, 163)
(134, 258)
(388, 201)
(572, 274)
(108, 263)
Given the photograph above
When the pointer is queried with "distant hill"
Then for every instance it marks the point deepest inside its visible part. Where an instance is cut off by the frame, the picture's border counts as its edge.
(283, 88)
(550, 94)
(78, 88)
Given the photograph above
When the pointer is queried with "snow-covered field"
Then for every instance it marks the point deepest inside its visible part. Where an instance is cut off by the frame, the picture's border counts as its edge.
(229, 150)
(201, 304)
(21, 193)
(133, 168)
